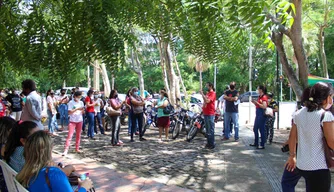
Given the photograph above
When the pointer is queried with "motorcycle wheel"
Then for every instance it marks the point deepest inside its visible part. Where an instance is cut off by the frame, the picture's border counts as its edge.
(123, 122)
(147, 126)
(107, 124)
(171, 126)
(192, 133)
(176, 130)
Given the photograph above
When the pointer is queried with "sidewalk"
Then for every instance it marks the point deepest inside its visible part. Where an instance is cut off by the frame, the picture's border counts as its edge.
(108, 180)
(280, 135)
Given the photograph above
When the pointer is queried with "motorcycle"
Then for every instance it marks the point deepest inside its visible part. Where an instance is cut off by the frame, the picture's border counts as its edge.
(198, 126)
(173, 120)
(151, 118)
(183, 122)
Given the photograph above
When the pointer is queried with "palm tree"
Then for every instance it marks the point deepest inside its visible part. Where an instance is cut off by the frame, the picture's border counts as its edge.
(200, 67)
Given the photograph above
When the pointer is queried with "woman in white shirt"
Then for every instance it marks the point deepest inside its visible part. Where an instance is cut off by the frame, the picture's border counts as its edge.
(75, 110)
(311, 162)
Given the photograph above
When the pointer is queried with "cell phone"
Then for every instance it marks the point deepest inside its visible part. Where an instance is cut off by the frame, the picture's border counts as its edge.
(84, 176)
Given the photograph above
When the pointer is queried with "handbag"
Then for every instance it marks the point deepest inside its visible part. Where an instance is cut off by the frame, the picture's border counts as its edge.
(269, 112)
(112, 112)
(168, 109)
(329, 153)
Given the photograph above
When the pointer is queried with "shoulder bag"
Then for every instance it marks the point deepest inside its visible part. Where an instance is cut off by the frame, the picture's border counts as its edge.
(111, 111)
(329, 153)
(168, 109)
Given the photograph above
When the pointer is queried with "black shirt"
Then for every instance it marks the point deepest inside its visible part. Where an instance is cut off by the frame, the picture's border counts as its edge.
(229, 105)
(15, 100)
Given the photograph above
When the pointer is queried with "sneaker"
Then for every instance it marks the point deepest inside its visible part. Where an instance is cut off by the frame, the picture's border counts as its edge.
(260, 147)
(160, 141)
(93, 138)
(78, 151)
(236, 140)
(225, 139)
(121, 142)
(65, 153)
(253, 145)
(132, 140)
(142, 139)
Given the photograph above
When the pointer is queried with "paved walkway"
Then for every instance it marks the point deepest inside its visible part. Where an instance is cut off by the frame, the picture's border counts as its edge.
(107, 179)
(152, 166)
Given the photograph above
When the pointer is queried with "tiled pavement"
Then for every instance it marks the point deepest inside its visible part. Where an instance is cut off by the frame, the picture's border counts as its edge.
(107, 180)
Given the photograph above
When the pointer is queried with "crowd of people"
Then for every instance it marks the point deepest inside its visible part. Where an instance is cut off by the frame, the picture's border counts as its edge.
(27, 147)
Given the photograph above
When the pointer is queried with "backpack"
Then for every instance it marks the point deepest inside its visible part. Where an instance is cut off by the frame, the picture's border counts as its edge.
(329, 153)
(168, 109)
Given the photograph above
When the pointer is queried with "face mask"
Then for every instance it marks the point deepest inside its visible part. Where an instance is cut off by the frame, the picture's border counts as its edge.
(116, 96)
(257, 91)
(232, 87)
(329, 105)
(96, 96)
(76, 99)
(135, 93)
(63, 93)
(206, 89)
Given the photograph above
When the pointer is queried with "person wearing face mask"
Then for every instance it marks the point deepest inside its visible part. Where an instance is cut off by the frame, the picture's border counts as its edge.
(97, 109)
(137, 113)
(271, 118)
(231, 112)
(116, 104)
(89, 100)
(209, 114)
(63, 110)
(260, 118)
(75, 109)
(163, 121)
(310, 125)
(32, 110)
(52, 112)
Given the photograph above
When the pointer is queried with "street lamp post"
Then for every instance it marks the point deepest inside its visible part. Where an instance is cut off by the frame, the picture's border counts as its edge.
(278, 87)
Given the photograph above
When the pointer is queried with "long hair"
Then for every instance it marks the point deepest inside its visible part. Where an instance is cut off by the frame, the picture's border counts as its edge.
(37, 154)
(263, 88)
(6, 126)
(318, 93)
(112, 92)
(163, 91)
(19, 131)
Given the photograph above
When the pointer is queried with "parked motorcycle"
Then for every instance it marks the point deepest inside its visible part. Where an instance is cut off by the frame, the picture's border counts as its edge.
(183, 122)
(151, 118)
(198, 126)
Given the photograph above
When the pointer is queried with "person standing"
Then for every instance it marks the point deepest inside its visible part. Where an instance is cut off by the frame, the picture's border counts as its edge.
(97, 109)
(52, 112)
(76, 109)
(209, 114)
(89, 100)
(163, 121)
(272, 104)
(311, 125)
(137, 113)
(16, 104)
(260, 118)
(231, 112)
(63, 99)
(116, 104)
(32, 110)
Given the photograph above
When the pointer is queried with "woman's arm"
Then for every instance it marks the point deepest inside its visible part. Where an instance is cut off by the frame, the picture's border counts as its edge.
(135, 102)
(329, 133)
(291, 163)
(116, 107)
(165, 103)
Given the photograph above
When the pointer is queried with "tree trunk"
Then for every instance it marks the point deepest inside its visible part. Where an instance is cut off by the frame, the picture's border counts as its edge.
(200, 80)
(163, 65)
(287, 68)
(96, 76)
(136, 66)
(88, 77)
(180, 80)
(297, 43)
(105, 79)
(321, 38)
(171, 73)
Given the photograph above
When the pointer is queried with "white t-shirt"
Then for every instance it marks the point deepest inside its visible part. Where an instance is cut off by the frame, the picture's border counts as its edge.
(75, 117)
(97, 108)
(52, 101)
(310, 153)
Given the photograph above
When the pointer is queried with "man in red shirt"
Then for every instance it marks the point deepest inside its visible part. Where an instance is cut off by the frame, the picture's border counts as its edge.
(209, 114)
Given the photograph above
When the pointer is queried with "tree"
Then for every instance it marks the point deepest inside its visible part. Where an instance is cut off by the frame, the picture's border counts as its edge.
(200, 67)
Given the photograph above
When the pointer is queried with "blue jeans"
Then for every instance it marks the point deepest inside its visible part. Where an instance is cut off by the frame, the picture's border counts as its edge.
(210, 129)
(63, 111)
(99, 120)
(130, 123)
(260, 125)
(290, 180)
(235, 120)
(52, 124)
(90, 118)
(137, 118)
